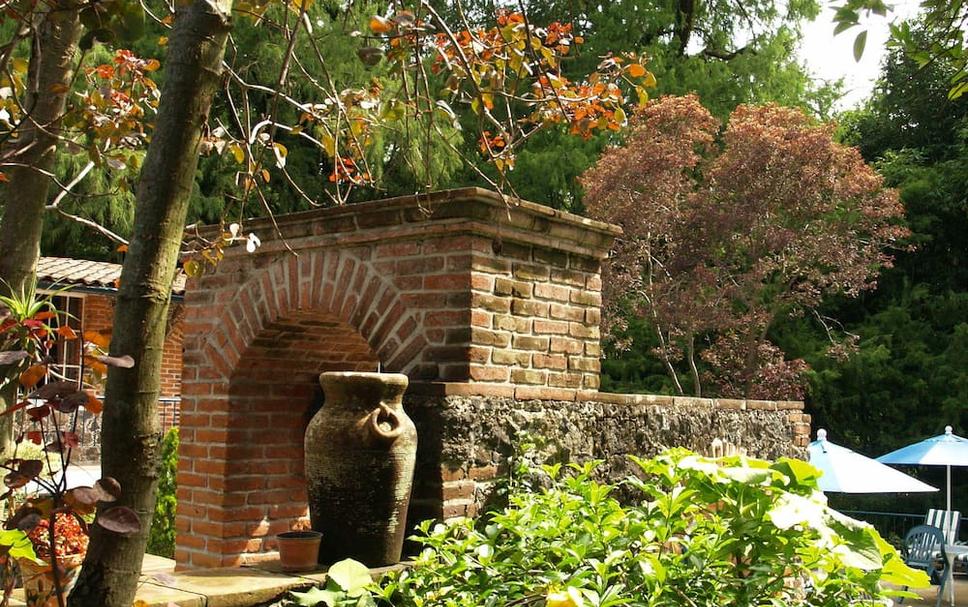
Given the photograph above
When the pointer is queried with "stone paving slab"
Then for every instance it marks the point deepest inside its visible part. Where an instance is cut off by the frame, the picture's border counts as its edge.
(161, 586)
(156, 595)
(236, 587)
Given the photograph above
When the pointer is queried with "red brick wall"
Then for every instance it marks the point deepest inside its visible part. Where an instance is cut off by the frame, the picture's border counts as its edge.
(99, 316)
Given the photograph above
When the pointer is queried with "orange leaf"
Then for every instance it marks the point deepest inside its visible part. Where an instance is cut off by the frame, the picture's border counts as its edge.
(33, 374)
(66, 332)
(97, 338)
(93, 404)
(4, 178)
(122, 248)
(379, 25)
(92, 363)
(636, 70)
(43, 316)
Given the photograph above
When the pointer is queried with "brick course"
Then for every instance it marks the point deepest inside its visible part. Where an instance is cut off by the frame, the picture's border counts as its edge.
(99, 317)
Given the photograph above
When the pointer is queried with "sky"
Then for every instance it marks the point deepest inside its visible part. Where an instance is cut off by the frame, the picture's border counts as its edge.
(831, 57)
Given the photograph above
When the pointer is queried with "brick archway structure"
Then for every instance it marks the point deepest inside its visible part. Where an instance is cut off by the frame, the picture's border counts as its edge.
(456, 287)
(491, 309)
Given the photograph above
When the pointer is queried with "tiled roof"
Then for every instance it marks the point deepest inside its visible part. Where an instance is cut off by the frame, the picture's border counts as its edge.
(81, 272)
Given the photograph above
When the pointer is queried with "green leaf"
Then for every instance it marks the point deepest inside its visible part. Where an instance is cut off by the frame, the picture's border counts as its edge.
(20, 544)
(352, 576)
(843, 26)
(800, 472)
(859, 42)
(315, 596)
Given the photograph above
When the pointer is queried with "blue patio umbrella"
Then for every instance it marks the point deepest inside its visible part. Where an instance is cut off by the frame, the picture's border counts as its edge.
(846, 471)
(946, 450)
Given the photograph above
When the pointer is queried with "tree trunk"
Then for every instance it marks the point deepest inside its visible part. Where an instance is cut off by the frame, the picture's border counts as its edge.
(131, 435)
(693, 370)
(49, 75)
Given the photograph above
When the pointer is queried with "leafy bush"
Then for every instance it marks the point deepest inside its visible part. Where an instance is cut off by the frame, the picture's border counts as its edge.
(161, 538)
(702, 533)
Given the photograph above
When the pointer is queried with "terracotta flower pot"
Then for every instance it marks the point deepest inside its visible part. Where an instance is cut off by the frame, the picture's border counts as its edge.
(299, 550)
(38, 578)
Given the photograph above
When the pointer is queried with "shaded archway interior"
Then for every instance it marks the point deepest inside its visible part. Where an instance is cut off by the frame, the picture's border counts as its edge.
(275, 387)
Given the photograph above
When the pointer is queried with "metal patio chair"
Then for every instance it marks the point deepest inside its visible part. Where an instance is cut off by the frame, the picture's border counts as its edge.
(924, 549)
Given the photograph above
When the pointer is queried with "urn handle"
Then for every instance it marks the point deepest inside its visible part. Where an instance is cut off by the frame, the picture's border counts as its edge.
(384, 424)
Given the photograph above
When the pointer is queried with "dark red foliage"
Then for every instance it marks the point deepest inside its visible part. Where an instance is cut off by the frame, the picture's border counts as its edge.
(727, 230)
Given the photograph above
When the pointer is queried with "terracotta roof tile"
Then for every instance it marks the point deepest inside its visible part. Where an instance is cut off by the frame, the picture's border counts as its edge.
(81, 272)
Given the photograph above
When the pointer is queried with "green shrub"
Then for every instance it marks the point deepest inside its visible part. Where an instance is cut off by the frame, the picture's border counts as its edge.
(701, 533)
(161, 538)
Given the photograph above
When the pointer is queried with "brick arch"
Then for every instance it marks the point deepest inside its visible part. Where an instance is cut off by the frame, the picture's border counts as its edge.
(253, 386)
(339, 286)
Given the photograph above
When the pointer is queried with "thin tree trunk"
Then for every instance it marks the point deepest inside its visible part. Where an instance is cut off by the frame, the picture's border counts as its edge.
(752, 359)
(693, 370)
(52, 62)
(649, 273)
(131, 435)
(668, 363)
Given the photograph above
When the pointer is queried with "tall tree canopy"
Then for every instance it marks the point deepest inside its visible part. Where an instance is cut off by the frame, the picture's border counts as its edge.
(908, 378)
(726, 233)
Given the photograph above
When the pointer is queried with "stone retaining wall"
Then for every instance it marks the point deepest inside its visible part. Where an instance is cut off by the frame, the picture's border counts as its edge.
(465, 439)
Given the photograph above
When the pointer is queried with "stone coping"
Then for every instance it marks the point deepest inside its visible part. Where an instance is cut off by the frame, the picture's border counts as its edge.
(573, 395)
(482, 211)
(246, 586)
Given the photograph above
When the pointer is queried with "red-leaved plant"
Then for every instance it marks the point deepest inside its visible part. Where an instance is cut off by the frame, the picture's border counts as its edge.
(42, 508)
(729, 229)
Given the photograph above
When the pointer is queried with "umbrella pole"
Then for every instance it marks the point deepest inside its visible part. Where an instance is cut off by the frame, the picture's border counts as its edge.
(948, 474)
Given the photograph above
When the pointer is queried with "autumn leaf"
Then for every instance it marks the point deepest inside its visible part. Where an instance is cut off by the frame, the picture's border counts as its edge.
(93, 405)
(120, 519)
(379, 25)
(122, 248)
(97, 338)
(33, 374)
(38, 413)
(192, 268)
(67, 332)
(636, 70)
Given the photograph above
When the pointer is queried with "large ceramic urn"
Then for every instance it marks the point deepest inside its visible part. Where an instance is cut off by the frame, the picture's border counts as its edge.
(360, 454)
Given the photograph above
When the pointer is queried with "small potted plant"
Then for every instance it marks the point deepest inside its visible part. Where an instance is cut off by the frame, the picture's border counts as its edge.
(299, 548)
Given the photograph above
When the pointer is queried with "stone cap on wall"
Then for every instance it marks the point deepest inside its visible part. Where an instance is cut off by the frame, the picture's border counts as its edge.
(472, 210)
(561, 394)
